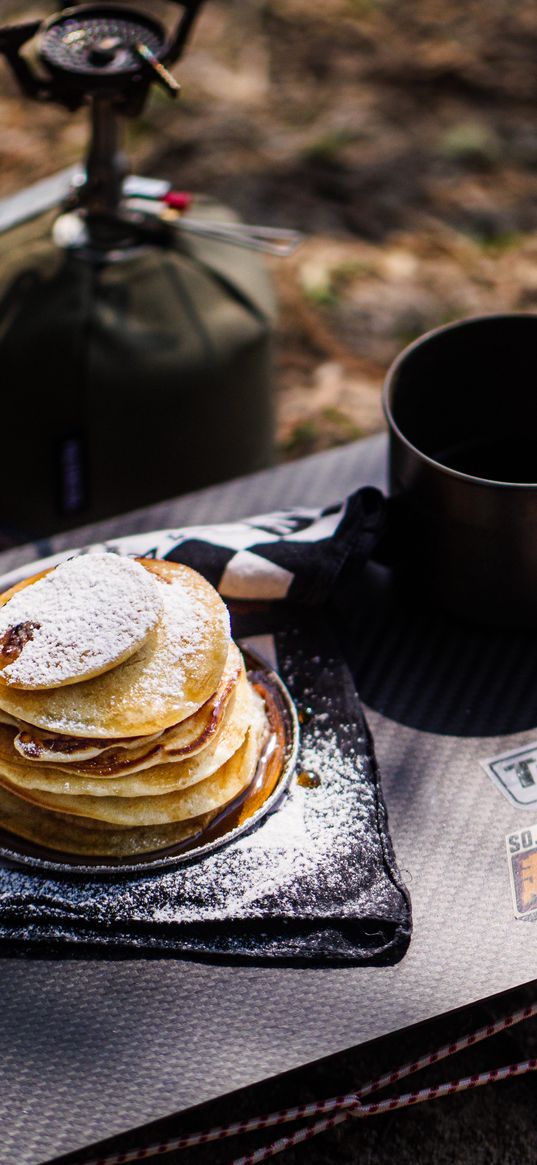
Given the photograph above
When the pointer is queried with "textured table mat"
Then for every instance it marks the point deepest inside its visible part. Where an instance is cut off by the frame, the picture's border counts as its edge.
(91, 1047)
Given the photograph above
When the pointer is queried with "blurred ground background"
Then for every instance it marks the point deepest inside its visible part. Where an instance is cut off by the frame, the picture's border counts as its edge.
(401, 137)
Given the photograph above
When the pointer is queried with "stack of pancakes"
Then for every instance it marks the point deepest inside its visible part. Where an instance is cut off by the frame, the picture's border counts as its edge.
(127, 721)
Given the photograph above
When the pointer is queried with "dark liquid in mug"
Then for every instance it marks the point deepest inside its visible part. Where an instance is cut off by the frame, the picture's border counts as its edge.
(512, 459)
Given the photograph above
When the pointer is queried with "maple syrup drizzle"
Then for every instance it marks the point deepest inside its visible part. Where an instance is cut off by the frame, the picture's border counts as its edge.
(266, 777)
(308, 780)
(305, 714)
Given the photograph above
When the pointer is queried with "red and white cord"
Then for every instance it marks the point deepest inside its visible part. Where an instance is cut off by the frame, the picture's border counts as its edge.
(345, 1107)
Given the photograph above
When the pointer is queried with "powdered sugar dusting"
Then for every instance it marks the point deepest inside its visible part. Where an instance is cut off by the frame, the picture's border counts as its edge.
(175, 671)
(193, 632)
(82, 618)
(319, 855)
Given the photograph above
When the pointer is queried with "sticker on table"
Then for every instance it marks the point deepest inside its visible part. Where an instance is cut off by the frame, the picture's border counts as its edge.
(515, 774)
(522, 858)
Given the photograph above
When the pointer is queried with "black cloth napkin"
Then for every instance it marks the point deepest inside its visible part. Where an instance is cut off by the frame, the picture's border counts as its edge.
(316, 879)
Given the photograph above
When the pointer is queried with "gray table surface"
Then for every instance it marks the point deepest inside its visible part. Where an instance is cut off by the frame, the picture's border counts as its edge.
(92, 1047)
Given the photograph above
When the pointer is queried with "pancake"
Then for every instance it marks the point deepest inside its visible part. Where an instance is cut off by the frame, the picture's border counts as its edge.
(35, 744)
(77, 621)
(114, 757)
(162, 778)
(5, 718)
(91, 839)
(167, 680)
(197, 800)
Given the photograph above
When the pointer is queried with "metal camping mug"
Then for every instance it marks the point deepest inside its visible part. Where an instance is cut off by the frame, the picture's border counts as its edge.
(461, 405)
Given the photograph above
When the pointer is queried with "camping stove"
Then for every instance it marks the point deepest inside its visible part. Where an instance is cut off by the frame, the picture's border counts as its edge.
(105, 56)
(137, 325)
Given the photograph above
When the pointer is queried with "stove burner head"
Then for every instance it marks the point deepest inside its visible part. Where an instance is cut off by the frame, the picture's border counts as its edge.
(99, 44)
(99, 50)
(106, 56)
